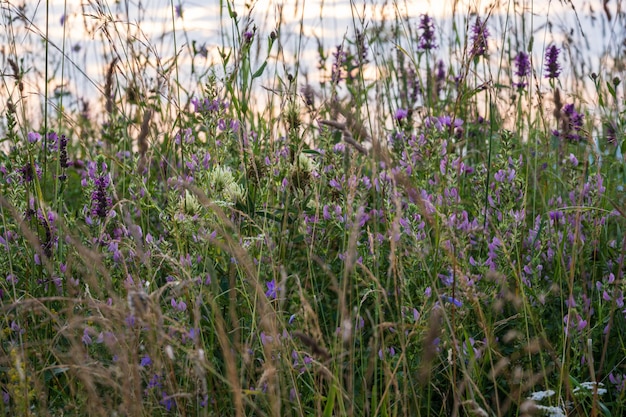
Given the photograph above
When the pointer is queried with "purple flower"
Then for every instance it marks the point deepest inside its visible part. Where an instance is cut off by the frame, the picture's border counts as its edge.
(248, 35)
(178, 10)
(27, 174)
(33, 137)
(522, 69)
(611, 133)
(441, 75)
(427, 37)
(553, 69)
(340, 57)
(99, 199)
(479, 38)
(167, 401)
(572, 124)
(145, 361)
(401, 114)
(86, 337)
(272, 290)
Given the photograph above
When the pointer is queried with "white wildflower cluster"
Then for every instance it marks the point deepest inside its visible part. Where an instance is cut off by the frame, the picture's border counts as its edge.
(188, 204)
(224, 187)
(540, 395)
(549, 411)
(589, 387)
(306, 164)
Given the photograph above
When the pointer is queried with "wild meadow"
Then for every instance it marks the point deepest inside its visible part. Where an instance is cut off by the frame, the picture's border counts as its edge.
(426, 218)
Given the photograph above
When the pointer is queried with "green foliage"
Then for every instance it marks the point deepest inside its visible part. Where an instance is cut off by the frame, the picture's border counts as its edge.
(438, 238)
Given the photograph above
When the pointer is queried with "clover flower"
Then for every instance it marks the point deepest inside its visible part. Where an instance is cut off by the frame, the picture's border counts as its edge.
(223, 183)
(553, 69)
(427, 37)
(479, 36)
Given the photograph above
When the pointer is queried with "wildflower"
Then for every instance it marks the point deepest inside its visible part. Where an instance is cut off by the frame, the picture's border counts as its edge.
(340, 57)
(553, 69)
(86, 337)
(145, 361)
(611, 134)
(572, 122)
(441, 75)
(248, 35)
(401, 114)
(272, 289)
(479, 38)
(590, 386)
(167, 401)
(522, 65)
(26, 172)
(99, 199)
(33, 137)
(308, 94)
(361, 46)
(180, 306)
(427, 38)
(178, 10)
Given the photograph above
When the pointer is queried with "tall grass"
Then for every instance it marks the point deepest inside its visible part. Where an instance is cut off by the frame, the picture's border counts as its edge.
(427, 219)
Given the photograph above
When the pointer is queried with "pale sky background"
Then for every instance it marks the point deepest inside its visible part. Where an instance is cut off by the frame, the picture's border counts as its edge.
(87, 22)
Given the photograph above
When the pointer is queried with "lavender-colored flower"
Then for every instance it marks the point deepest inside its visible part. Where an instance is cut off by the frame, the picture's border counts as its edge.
(26, 172)
(178, 10)
(33, 137)
(479, 36)
(361, 46)
(522, 69)
(572, 124)
(440, 76)
(272, 289)
(427, 37)
(553, 69)
(145, 361)
(99, 199)
(340, 57)
(166, 401)
(248, 35)
(86, 337)
(611, 133)
(401, 114)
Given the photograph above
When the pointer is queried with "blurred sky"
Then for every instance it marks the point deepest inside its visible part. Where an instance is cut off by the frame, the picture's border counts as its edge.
(89, 32)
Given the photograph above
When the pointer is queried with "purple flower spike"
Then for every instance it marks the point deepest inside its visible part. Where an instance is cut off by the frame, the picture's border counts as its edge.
(427, 38)
(479, 38)
(553, 69)
(522, 69)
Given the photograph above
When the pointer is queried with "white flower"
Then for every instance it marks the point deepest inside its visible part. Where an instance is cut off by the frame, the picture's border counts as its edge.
(306, 164)
(552, 411)
(590, 387)
(222, 183)
(540, 395)
(188, 204)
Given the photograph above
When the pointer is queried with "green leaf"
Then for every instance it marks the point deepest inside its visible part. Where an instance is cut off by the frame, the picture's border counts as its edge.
(611, 89)
(259, 72)
(330, 402)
